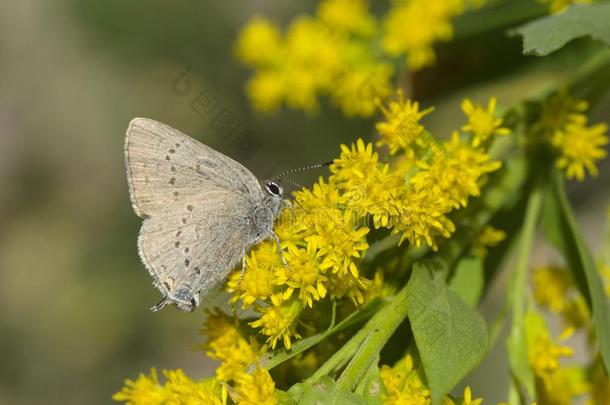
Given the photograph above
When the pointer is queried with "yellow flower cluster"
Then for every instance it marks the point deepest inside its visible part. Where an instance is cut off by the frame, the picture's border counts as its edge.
(489, 237)
(337, 52)
(563, 124)
(555, 383)
(411, 28)
(177, 390)
(324, 234)
(226, 343)
(555, 290)
(404, 384)
(326, 54)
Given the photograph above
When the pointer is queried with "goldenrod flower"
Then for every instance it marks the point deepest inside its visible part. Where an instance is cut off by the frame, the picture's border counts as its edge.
(544, 355)
(559, 110)
(303, 274)
(350, 16)
(551, 285)
(554, 289)
(411, 28)
(255, 389)
(259, 42)
(145, 390)
(580, 147)
(278, 322)
(401, 126)
(404, 384)
(184, 391)
(466, 400)
(226, 343)
(265, 90)
(257, 282)
(488, 237)
(178, 389)
(482, 123)
(564, 125)
(354, 164)
(356, 90)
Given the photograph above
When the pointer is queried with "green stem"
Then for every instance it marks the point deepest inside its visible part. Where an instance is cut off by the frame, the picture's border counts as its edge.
(517, 349)
(385, 322)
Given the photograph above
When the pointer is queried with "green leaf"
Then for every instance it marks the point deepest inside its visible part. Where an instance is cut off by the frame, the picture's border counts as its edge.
(325, 392)
(451, 337)
(371, 387)
(468, 280)
(562, 231)
(548, 34)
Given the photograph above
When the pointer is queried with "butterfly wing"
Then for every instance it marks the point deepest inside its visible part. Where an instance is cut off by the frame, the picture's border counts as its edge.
(190, 249)
(165, 166)
(197, 206)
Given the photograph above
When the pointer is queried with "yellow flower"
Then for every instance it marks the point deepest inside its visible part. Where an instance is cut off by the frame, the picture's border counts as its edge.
(580, 147)
(428, 22)
(259, 42)
(551, 285)
(178, 390)
(226, 343)
(554, 289)
(184, 391)
(404, 384)
(347, 15)
(560, 110)
(145, 390)
(303, 273)
(278, 322)
(488, 237)
(257, 282)
(422, 219)
(265, 90)
(456, 176)
(355, 91)
(401, 126)
(481, 122)
(255, 389)
(543, 353)
(466, 400)
(354, 164)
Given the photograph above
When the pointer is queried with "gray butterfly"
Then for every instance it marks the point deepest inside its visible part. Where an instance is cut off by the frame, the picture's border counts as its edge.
(202, 210)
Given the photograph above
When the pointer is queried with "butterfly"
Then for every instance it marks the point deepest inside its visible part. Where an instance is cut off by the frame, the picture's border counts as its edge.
(202, 211)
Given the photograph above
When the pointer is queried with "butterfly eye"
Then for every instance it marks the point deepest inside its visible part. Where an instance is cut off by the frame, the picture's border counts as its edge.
(274, 188)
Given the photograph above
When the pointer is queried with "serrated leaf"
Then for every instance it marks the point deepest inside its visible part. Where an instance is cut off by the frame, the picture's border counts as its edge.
(468, 280)
(548, 34)
(451, 337)
(562, 231)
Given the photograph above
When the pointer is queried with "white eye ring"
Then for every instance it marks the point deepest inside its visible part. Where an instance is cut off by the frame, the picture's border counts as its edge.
(274, 188)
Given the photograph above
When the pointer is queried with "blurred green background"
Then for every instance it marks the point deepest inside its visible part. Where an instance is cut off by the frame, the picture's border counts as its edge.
(74, 320)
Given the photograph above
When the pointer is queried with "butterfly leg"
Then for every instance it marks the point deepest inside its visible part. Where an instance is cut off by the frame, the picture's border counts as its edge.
(243, 265)
(279, 247)
(164, 301)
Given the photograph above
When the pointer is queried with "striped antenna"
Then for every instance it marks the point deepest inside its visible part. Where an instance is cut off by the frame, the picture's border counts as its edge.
(300, 169)
(282, 176)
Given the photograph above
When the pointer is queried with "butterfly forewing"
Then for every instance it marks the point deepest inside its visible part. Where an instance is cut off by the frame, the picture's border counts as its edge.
(164, 166)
